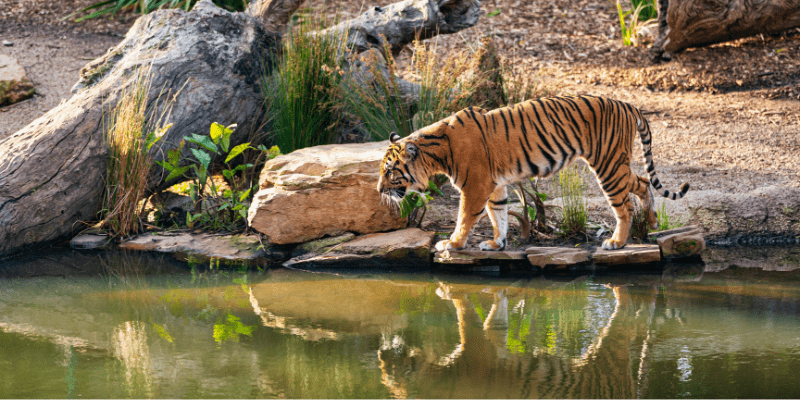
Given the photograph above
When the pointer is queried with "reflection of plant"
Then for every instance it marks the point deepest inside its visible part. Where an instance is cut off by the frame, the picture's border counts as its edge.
(230, 329)
(214, 208)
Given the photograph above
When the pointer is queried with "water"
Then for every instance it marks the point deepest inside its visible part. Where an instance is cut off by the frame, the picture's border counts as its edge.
(117, 325)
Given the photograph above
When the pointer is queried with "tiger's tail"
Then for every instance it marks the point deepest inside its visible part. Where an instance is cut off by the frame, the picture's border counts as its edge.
(644, 133)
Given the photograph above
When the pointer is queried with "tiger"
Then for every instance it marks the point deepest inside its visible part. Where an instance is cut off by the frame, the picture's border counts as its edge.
(484, 151)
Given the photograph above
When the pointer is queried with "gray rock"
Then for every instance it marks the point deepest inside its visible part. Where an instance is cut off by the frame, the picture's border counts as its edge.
(681, 242)
(225, 247)
(630, 254)
(556, 257)
(408, 248)
(89, 241)
(322, 190)
(7, 43)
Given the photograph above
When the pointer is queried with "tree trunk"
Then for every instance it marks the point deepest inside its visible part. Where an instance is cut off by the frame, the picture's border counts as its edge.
(209, 61)
(691, 23)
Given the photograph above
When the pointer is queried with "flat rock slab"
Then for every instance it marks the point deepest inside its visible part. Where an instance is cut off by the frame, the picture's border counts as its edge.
(476, 257)
(556, 257)
(681, 242)
(225, 247)
(630, 254)
(403, 248)
(89, 241)
(14, 83)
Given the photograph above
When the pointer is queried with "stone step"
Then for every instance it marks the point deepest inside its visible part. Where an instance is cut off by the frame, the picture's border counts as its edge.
(476, 257)
(556, 257)
(630, 254)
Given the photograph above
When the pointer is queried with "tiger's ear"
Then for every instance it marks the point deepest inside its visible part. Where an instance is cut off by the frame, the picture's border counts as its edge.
(394, 137)
(410, 152)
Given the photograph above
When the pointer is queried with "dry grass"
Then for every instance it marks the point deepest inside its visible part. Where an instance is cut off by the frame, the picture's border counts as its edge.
(129, 137)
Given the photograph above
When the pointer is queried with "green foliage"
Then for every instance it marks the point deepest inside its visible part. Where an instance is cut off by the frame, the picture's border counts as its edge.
(384, 108)
(146, 6)
(415, 200)
(572, 189)
(302, 94)
(642, 13)
(214, 208)
(665, 221)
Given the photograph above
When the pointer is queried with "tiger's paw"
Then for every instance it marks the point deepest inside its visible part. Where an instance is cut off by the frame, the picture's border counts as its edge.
(491, 245)
(446, 245)
(611, 244)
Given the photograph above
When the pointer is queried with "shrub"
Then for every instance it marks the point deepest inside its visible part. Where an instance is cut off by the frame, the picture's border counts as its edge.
(572, 190)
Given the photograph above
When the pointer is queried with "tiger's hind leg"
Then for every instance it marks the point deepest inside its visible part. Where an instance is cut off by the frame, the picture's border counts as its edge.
(617, 187)
(641, 187)
(497, 207)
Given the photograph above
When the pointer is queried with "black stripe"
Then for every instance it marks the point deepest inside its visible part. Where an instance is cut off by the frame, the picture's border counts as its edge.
(534, 169)
(481, 212)
(499, 202)
(505, 123)
(459, 120)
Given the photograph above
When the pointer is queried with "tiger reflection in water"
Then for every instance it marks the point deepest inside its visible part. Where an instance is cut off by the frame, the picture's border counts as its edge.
(482, 366)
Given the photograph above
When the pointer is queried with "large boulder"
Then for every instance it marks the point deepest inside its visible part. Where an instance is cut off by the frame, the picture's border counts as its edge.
(322, 191)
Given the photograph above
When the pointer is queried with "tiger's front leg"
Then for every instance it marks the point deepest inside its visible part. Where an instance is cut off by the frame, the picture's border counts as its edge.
(498, 214)
(470, 209)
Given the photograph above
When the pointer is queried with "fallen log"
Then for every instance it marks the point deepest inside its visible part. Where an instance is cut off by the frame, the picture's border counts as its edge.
(208, 60)
(692, 23)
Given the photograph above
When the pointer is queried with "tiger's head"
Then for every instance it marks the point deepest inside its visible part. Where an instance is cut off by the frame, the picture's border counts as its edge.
(400, 171)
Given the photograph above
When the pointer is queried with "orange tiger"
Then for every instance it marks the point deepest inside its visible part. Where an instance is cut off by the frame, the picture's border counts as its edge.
(482, 152)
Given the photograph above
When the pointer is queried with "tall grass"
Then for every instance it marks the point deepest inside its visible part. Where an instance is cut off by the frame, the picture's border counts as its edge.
(383, 107)
(639, 15)
(130, 137)
(572, 190)
(302, 94)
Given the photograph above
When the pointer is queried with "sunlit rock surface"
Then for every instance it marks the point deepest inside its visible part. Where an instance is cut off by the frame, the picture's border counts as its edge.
(322, 190)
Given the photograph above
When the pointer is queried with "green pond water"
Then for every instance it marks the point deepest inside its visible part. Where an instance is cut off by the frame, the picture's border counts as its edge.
(121, 325)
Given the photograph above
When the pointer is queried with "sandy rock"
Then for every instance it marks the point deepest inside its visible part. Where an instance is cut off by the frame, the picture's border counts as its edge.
(322, 190)
(227, 247)
(557, 257)
(404, 248)
(630, 254)
(681, 242)
(476, 257)
(771, 210)
(14, 83)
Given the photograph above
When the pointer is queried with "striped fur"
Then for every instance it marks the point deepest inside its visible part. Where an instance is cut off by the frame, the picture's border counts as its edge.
(482, 152)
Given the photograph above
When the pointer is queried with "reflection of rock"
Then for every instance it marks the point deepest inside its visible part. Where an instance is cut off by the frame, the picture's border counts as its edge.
(14, 83)
(404, 248)
(630, 254)
(89, 241)
(681, 242)
(322, 190)
(556, 257)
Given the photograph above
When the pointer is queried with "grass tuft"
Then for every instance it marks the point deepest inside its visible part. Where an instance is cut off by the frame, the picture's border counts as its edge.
(572, 190)
(130, 137)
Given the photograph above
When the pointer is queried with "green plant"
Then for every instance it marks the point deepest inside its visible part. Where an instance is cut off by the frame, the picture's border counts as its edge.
(130, 137)
(146, 6)
(302, 94)
(665, 221)
(415, 200)
(572, 190)
(383, 107)
(638, 20)
(214, 207)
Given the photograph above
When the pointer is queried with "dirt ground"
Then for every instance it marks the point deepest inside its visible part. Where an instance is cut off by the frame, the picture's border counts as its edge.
(724, 117)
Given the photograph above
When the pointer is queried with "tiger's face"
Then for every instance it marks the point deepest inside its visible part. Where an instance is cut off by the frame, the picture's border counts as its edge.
(399, 173)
